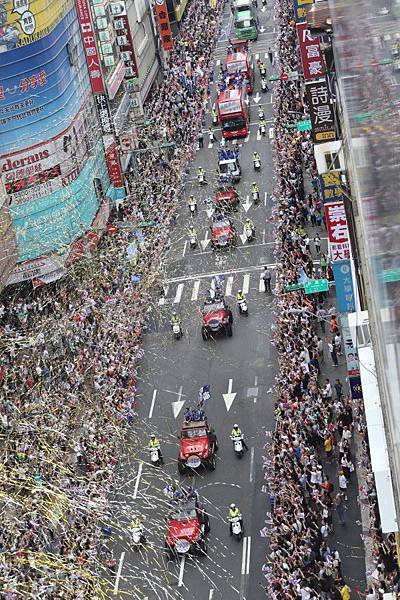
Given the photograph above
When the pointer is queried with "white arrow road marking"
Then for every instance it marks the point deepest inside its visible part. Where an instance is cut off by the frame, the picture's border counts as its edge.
(118, 577)
(181, 570)
(229, 284)
(210, 212)
(261, 286)
(177, 406)
(153, 401)
(246, 205)
(178, 294)
(195, 291)
(243, 237)
(138, 476)
(244, 555)
(247, 101)
(257, 98)
(271, 133)
(246, 283)
(204, 243)
(229, 397)
(162, 299)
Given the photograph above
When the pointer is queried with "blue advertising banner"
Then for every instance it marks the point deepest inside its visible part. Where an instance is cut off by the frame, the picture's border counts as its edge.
(355, 388)
(39, 88)
(344, 286)
(300, 9)
(330, 186)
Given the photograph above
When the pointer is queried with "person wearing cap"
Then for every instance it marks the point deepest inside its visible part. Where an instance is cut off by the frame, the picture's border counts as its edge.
(237, 433)
(234, 512)
(155, 443)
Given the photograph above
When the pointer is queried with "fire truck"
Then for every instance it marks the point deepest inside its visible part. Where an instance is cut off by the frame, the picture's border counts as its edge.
(241, 62)
(234, 113)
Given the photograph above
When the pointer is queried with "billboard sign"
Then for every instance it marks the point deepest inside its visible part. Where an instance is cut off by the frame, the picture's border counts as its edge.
(300, 9)
(331, 186)
(321, 111)
(338, 233)
(310, 52)
(112, 160)
(104, 113)
(124, 40)
(344, 286)
(164, 25)
(89, 44)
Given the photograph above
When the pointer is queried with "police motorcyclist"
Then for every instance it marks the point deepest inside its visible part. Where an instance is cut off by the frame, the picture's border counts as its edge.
(256, 157)
(261, 114)
(237, 433)
(255, 190)
(234, 512)
(262, 126)
(192, 202)
(175, 319)
(214, 116)
(155, 444)
(240, 297)
(249, 224)
(192, 231)
(263, 70)
(201, 174)
(136, 523)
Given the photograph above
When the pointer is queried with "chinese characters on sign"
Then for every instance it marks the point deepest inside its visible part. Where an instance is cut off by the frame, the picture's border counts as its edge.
(124, 41)
(344, 286)
(103, 112)
(336, 222)
(310, 51)
(321, 111)
(330, 186)
(163, 25)
(89, 44)
(300, 10)
(112, 161)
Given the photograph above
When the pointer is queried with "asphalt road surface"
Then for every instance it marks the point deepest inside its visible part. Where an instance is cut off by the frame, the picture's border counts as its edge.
(242, 367)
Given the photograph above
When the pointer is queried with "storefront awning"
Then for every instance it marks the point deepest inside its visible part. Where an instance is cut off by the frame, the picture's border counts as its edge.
(377, 440)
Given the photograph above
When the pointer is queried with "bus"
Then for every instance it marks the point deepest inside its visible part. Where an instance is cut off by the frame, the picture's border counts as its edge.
(234, 113)
(241, 62)
(245, 25)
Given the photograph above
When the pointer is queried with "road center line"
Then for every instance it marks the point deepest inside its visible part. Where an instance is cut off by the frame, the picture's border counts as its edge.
(184, 248)
(251, 464)
(181, 571)
(229, 284)
(244, 555)
(195, 291)
(246, 283)
(178, 294)
(139, 474)
(118, 577)
(248, 555)
(153, 400)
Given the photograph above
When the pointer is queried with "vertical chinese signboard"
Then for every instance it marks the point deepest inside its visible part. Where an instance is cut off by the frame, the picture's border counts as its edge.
(338, 235)
(330, 186)
(321, 111)
(300, 9)
(112, 160)
(164, 25)
(89, 44)
(310, 52)
(124, 38)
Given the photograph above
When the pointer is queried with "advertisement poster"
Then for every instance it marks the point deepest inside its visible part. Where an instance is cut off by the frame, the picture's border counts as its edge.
(164, 25)
(310, 52)
(25, 21)
(89, 44)
(300, 9)
(39, 89)
(321, 111)
(344, 286)
(331, 186)
(112, 160)
(124, 38)
(353, 365)
(338, 233)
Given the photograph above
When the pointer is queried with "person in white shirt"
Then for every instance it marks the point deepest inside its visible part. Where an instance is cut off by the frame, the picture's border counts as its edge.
(343, 484)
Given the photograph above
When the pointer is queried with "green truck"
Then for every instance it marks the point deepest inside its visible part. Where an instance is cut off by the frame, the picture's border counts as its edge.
(244, 23)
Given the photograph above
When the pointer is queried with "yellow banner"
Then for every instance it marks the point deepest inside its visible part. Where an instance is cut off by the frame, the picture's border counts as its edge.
(213, 3)
(25, 21)
(180, 9)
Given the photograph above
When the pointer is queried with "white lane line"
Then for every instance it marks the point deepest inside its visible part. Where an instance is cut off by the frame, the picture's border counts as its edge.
(261, 287)
(246, 139)
(139, 474)
(255, 380)
(181, 570)
(270, 102)
(271, 133)
(118, 577)
(256, 57)
(244, 555)
(229, 284)
(210, 145)
(184, 249)
(263, 236)
(178, 294)
(153, 401)
(195, 291)
(246, 283)
(248, 555)
(251, 464)
(211, 595)
(218, 63)
(258, 135)
(265, 198)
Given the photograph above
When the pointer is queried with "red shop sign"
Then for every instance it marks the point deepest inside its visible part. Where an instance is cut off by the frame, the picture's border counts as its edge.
(89, 44)
(336, 222)
(310, 51)
(113, 164)
(164, 25)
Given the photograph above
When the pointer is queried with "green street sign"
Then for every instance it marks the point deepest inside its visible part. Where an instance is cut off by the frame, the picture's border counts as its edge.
(303, 125)
(290, 126)
(273, 78)
(314, 286)
(293, 287)
(390, 275)
(168, 145)
(144, 224)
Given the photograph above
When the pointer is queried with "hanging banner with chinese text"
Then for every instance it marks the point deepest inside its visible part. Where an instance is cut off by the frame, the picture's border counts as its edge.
(321, 111)
(344, 286)
(112, 161)
(164, 25)
(124, 38)
(310, 51)
(338, 233)
(330, 186)
(300, 9)
(89, 44)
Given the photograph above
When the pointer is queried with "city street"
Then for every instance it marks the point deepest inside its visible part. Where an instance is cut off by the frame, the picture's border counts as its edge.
(240, 371)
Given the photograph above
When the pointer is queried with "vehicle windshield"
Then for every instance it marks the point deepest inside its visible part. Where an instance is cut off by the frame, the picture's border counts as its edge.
(184, 511)
(245, 24)
(227, 167)
(233, 124)
(214, 307)
(194, 433)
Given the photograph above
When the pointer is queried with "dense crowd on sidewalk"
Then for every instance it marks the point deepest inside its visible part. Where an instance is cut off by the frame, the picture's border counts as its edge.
(315, 420)
(68, 361)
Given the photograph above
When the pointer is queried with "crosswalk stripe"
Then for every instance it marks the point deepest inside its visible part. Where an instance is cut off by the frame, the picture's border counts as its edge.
(195, 292)
(246, 139)
(229, 284)
(258, 136)
(162, 299)
(261, 287)
(178, 294)
(246, 283)
(218, 62)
